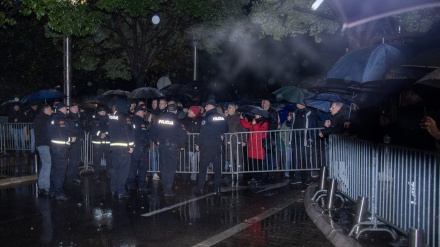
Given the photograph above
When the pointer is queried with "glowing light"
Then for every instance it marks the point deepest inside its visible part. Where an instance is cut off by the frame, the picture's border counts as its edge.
(316, 4)
(155, 19)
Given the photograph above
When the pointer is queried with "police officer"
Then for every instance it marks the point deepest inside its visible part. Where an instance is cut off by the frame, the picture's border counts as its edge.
(171, 137)
(61, 132)
(100, 141)
(140, 155)
(74, 154)
(209, 143)
(120, 130)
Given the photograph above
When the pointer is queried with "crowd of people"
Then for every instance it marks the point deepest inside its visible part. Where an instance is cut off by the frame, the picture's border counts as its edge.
(129, 138)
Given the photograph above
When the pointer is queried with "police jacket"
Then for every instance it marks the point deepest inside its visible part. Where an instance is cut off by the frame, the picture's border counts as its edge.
(77, 128)
(141, 133)
(168, 131)
(120, 130)
(100, 125)
(41, 123)
(61, 129)
(213, 126)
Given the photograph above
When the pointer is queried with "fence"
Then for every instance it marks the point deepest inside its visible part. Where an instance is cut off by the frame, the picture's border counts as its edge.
(402, 185)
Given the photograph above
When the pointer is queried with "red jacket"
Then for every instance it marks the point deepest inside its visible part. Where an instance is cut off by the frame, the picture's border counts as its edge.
(254, 146)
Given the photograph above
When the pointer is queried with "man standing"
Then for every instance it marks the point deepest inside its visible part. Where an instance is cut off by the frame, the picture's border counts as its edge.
(158, 107)
(335, 125)
(74, 154)
(168, 133)
(234, 143)
(42, 143)
(61, 137)
(140, 155)
(192, 125)
(209, 143)
(31, 114)
(120, 130)
(17, 118)
(100, 141)
(302, 143)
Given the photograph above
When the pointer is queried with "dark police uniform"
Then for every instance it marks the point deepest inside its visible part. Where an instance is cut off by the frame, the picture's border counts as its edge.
(213, 126)
(171, 137)
(140, 155)
(74, 154)
(101, 146)
(61, 132)
(121, 134)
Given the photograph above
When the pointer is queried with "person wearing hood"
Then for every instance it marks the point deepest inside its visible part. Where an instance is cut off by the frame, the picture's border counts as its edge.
(335, 125)
(17, 116)
(100, 141)
(192, 125)
(209, 143)
(255, 150)
(121, 132)
(62, 135)
(170, 136)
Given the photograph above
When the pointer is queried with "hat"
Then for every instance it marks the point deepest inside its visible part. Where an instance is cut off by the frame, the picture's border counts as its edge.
(172, 107)
(74, 104)
(139, 108)
(195, 109)
(211, 102)
(60, 105)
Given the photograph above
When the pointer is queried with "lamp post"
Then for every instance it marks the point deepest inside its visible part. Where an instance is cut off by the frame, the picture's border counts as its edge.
(67, 61)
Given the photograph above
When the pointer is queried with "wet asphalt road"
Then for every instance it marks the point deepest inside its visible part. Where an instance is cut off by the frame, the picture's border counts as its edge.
(93, 218)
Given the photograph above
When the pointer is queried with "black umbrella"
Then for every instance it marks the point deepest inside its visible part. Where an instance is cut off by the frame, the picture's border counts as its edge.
(256, 110)
(145, 93)
(93, 105)
(116, 92)
(43, 96)
(323, 101)
(5, 107)
(358, 12)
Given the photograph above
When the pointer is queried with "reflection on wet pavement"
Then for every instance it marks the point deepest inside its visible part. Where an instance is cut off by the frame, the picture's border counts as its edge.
(93, 218)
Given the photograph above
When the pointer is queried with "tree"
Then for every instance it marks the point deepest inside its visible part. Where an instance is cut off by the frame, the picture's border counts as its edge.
(118, 35)
(279, 19)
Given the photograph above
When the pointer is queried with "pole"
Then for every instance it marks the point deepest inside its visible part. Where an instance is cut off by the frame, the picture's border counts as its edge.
(67, 68)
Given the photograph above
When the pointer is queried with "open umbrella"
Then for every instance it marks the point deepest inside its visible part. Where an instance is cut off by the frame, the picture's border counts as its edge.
(358, 12)
(43, 96)
(292, 94)
(365, 64)
(6, 106)
(253, 110)
(116, 92)
(93, 105)
(428, 87)
(323, 101)
(145, 93)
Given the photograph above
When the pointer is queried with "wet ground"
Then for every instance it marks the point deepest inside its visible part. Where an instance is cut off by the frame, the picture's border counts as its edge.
(93, 218)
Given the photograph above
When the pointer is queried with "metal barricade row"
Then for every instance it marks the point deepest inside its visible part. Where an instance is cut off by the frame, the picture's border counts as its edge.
(402, 185)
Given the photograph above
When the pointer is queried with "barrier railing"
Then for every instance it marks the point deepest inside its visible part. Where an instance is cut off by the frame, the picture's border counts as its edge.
(16, 136)
(402, 186)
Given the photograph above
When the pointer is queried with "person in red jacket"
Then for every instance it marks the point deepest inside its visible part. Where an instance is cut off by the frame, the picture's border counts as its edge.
(256, 152)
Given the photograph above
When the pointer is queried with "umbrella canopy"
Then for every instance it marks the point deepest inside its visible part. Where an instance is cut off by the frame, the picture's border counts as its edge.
(145, 93)
(432, 79)
(358, 12)
(253, 110)
(116, 92)
(428, 87)
(6, 106)
(43, 96)
(365, 64)
(93, 105)
(292, 94)
(323, 101)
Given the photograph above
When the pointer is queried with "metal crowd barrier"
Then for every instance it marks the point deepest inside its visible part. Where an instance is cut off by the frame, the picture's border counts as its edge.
(402, 186)
(16, 136)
